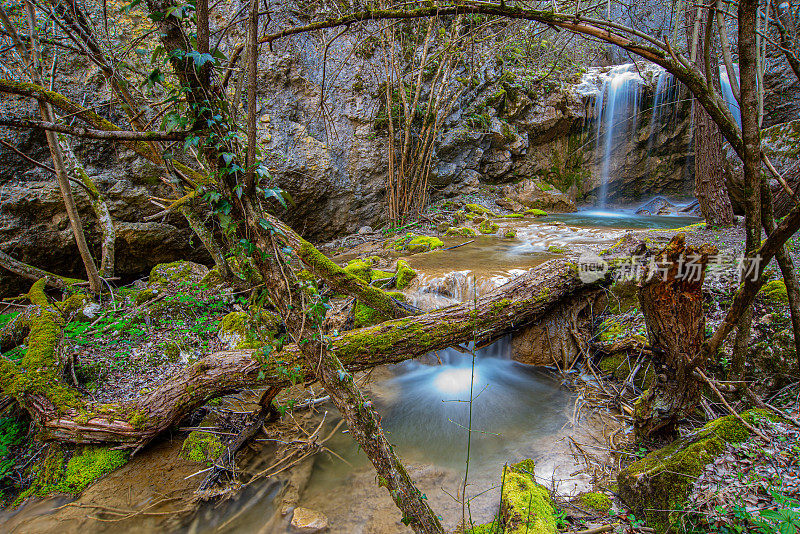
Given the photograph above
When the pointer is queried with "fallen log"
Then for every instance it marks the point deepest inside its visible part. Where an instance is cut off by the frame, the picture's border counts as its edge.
(63, 414)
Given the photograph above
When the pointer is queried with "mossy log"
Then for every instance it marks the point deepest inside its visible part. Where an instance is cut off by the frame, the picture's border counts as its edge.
(64, 415)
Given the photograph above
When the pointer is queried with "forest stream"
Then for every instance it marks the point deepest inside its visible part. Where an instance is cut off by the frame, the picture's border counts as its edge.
(518, 412)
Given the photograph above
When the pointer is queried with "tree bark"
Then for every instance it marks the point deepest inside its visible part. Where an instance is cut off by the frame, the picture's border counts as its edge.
(671, 299)
(710, 191)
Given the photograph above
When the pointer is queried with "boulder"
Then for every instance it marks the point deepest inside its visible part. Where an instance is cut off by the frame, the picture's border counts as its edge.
(532, 194)
(656, 487)
(305, 521)
(551, 341)
(657, 206)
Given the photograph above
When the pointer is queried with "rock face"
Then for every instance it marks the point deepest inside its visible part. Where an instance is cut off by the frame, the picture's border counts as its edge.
(34, 227)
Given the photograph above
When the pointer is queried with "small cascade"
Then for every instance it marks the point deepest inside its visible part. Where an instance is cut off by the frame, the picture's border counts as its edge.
(727, 92)
(659, 96)
(431, 293)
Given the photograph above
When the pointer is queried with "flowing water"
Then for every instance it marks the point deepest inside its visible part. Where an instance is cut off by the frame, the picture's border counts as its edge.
(518, 412)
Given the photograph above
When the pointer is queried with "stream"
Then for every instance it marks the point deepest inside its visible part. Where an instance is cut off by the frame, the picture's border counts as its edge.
(517, 412)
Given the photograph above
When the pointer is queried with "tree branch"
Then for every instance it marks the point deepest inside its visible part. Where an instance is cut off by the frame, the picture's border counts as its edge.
(89, 133)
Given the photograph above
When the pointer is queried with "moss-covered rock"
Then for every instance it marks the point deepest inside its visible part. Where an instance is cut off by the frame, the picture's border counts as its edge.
(460, 231)
(526, 507)
(536, 212)
(361, 269)
(775, 292)
(479, 210)
(510, 233)
(177, 273)
(239, 330)
(212, 279)
(656, 487)
(552, 249)
(596, 501)
(415, 243)
(146, 295)
(201, 447)
(488, 227)
(405, 275)
(78, 307)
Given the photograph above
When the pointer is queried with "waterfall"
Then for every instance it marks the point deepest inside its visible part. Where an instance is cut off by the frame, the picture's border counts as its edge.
(658, 100)
(727, 92)
(617, 94)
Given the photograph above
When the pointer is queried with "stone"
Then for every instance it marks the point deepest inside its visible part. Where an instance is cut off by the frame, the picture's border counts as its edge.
(551, 341)
(657, 206)
(532, 194)
(305, 521)
(365, 230)
(511, 205)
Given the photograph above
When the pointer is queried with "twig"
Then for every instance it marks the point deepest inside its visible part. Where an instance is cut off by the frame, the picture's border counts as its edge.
(733, 412)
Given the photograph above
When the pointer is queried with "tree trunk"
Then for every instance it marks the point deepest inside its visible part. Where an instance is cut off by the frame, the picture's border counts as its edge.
(715, 204)
(528, 298)
(672, 303)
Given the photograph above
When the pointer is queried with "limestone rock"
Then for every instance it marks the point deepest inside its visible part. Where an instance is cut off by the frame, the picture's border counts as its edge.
(551, 342)
(305, 521)
(657, 206)
(531, 194)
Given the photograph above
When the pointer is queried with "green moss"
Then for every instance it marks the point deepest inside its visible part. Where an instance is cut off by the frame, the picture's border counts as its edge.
(599, 502)
(201, 447)
(416, 243)
(536, 212)
(73, 304)
(657, 485)
(477, 209)
(405, 274)
(424, 244)
(525, 508)
(138, 420)
(212, 278)
(513, 216)
(528, 507)
(510, 233)
(242, 331)
(51, 475)
(164, 273)
(366, 316)
(361, 269)
(88, 465)
(488, 227)
(38, 371)
(775, 292)
(460, 231)
(145, 295)
(619, 367)
(552, 249)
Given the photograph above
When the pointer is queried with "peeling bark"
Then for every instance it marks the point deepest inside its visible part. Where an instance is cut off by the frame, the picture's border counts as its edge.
(672, 304)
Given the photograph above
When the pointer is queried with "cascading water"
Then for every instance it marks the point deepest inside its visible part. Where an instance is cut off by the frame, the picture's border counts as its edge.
(727, 92)
(617, 97)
